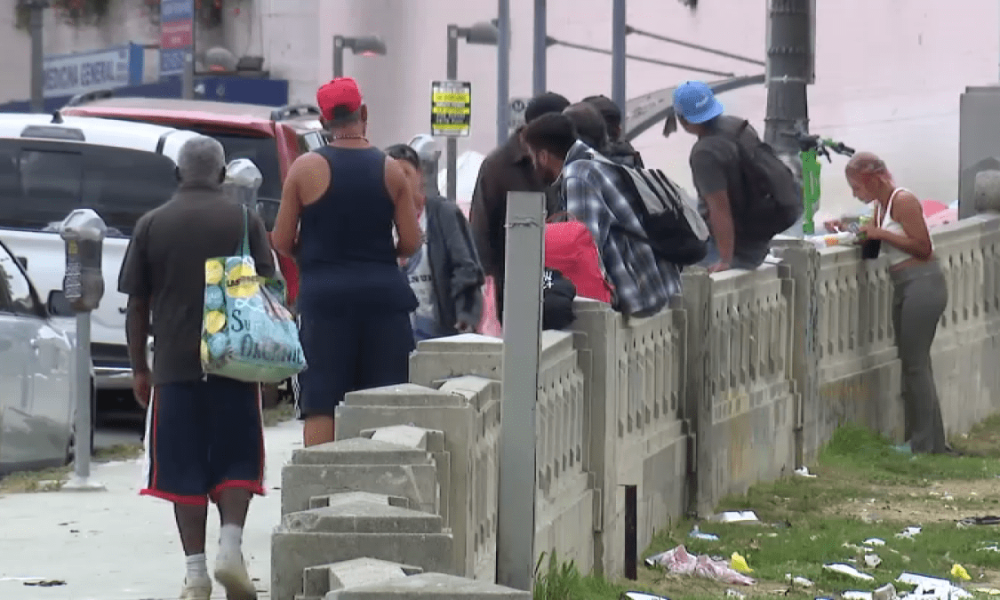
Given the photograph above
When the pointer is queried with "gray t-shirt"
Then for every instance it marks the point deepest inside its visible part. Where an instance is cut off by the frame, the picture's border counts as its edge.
(715, 167)
(165, 263)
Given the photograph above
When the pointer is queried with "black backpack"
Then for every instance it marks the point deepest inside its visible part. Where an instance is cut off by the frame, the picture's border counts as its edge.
(671, 224)
(558, 294)
(773, 195)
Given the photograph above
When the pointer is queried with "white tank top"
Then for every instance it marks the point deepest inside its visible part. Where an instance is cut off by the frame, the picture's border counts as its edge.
(894, 254)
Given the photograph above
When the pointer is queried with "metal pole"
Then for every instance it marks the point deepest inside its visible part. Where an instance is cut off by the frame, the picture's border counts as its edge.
(338, 56)
(81, 394)
(521, 351)
(619, 30)
(789, 65)
(37, 57)
(503, 72)
(451, 146)
(540, 74)
(187, 78)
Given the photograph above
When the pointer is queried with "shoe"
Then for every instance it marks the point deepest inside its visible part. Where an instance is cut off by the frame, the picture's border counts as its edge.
(197, 589)
(231, 573)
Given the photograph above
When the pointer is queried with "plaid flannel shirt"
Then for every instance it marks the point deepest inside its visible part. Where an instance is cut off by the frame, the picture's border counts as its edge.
(594, 194)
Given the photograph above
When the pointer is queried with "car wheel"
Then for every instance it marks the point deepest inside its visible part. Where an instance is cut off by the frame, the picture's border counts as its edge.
(71, 445)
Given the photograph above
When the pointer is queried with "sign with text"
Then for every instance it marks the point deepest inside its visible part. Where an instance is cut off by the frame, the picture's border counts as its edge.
(451, 108)
(110, 68)
(517, 108)
(176, 35)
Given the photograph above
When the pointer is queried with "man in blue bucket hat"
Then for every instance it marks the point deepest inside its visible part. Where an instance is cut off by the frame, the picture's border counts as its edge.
(717, 170)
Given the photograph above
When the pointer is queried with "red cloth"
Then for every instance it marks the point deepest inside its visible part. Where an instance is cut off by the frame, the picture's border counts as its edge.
(570, 249)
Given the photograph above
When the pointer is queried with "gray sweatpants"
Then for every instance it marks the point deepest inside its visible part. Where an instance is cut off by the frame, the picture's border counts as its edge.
(920, 294)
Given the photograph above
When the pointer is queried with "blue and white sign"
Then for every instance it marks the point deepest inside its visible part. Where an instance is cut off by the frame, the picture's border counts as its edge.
(176, 35)
(71, 74)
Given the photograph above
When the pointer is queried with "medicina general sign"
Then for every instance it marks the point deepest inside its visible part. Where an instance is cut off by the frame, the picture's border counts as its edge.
(78, 73)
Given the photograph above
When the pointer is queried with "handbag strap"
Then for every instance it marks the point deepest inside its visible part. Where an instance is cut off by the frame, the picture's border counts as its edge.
(245, 246)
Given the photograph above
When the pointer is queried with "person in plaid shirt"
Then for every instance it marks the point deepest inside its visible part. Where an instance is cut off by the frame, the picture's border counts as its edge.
(594, 193)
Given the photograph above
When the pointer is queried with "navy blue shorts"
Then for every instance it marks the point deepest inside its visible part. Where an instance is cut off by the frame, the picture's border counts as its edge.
(351, 351)
(204, 437)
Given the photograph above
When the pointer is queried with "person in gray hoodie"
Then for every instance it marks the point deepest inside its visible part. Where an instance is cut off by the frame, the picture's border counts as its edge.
(445, 274)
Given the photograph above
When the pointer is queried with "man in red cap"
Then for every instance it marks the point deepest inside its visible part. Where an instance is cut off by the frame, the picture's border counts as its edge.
(338, 210)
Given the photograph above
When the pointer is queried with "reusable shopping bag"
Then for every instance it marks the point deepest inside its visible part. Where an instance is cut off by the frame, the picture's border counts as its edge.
(247, 332)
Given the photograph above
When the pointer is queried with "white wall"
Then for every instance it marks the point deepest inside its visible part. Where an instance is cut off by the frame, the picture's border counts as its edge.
(889, 73)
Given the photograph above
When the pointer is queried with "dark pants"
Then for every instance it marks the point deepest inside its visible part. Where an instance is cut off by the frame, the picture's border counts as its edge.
(203, 437)
(351, 350)
(920, 295)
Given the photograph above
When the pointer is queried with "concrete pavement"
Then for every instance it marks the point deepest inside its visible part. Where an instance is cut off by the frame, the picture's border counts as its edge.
(116, 545)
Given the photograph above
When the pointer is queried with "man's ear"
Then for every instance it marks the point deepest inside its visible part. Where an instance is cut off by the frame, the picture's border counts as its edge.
(222, 175)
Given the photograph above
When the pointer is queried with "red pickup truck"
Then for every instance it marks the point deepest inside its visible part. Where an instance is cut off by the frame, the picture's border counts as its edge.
(271, 137)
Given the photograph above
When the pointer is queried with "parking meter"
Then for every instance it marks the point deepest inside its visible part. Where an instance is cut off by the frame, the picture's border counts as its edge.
(430, 155)
(83, 230)
(243, 181)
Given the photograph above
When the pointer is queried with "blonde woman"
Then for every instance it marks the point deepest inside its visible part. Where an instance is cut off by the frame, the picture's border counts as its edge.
(920, 292)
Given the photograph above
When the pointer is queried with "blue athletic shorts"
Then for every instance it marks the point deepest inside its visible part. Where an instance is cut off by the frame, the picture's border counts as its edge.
(351, 351)
(203, 437)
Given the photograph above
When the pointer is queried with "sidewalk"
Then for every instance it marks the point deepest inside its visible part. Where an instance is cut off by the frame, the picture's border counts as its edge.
(116, 545)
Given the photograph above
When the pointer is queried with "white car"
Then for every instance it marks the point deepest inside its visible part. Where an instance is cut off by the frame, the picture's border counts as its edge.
(36, 375)
(51, 165)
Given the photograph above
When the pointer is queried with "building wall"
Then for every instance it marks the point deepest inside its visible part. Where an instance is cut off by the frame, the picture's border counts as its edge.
(889, 73)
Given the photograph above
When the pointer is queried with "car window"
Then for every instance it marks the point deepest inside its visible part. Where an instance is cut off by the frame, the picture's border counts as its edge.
(312, 140)
(42, 182)
(263, 151)
(15, 291)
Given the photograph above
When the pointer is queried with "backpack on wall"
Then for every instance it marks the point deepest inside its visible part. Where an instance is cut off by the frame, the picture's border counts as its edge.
(773, 194)
(670, 220)
(571, 250)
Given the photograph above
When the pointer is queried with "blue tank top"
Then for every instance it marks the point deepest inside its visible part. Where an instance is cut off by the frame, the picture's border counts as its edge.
(346, 255)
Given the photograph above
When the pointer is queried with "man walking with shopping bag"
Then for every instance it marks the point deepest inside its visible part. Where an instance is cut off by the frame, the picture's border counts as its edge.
(204, 437)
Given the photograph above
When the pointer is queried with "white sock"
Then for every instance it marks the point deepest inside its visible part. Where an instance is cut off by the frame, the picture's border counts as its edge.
(197, 567)
(231, 540)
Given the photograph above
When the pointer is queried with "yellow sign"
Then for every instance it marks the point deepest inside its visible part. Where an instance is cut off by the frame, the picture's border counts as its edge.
(451, 108)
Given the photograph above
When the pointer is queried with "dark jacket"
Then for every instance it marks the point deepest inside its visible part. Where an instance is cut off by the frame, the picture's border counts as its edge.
(458, 277)
(506, 169)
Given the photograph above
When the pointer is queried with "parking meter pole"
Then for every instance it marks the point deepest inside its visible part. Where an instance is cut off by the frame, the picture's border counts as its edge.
(84, 420)
(83, 232)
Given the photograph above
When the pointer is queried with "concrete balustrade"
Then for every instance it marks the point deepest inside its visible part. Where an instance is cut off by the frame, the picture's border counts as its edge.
(741, 380)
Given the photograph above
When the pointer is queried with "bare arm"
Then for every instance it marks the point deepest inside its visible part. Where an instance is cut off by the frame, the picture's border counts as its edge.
(720, 218)
(916, 239)
(406, 212)
(284, 236)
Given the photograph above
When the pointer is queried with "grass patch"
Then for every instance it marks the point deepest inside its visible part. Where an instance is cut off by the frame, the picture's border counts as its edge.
(118, 452)
(52, 479)
(982, 440)
(284, 411)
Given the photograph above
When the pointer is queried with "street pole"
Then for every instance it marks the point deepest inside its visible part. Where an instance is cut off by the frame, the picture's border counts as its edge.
(789, 69)
(37, 55)
(521, 351)
(503, 72)
(618, 33)
(540, 75)
(338, 56)
(187, 78)
(451, 149)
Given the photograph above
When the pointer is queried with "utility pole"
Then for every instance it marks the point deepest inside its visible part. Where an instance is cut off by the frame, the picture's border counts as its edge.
(541, 43)
(618, 33)
(503, 72)
(37, 53)
(790, 69)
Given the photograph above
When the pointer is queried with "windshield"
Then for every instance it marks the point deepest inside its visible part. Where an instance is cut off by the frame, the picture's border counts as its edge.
(41, 182)
(263, 151)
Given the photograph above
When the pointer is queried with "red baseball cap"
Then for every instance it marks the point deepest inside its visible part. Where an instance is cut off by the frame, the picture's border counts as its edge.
(341, 93)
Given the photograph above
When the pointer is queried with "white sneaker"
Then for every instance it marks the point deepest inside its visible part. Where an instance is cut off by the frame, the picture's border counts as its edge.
(231, 573)
(197, 589)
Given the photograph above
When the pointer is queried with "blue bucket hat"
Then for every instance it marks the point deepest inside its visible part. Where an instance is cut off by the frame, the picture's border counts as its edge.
(696, 102)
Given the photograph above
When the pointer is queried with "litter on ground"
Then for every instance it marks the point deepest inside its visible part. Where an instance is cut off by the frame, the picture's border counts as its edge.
(959, 572)
(804, 472)
(735, 516)
(909, 533)
(886, 592)
(872, 560)
(876, 542)
(801, 582)
(738, 563)
(856, 596)
(848, 571)
(697, 534)
(679, 562)
(932, 587)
